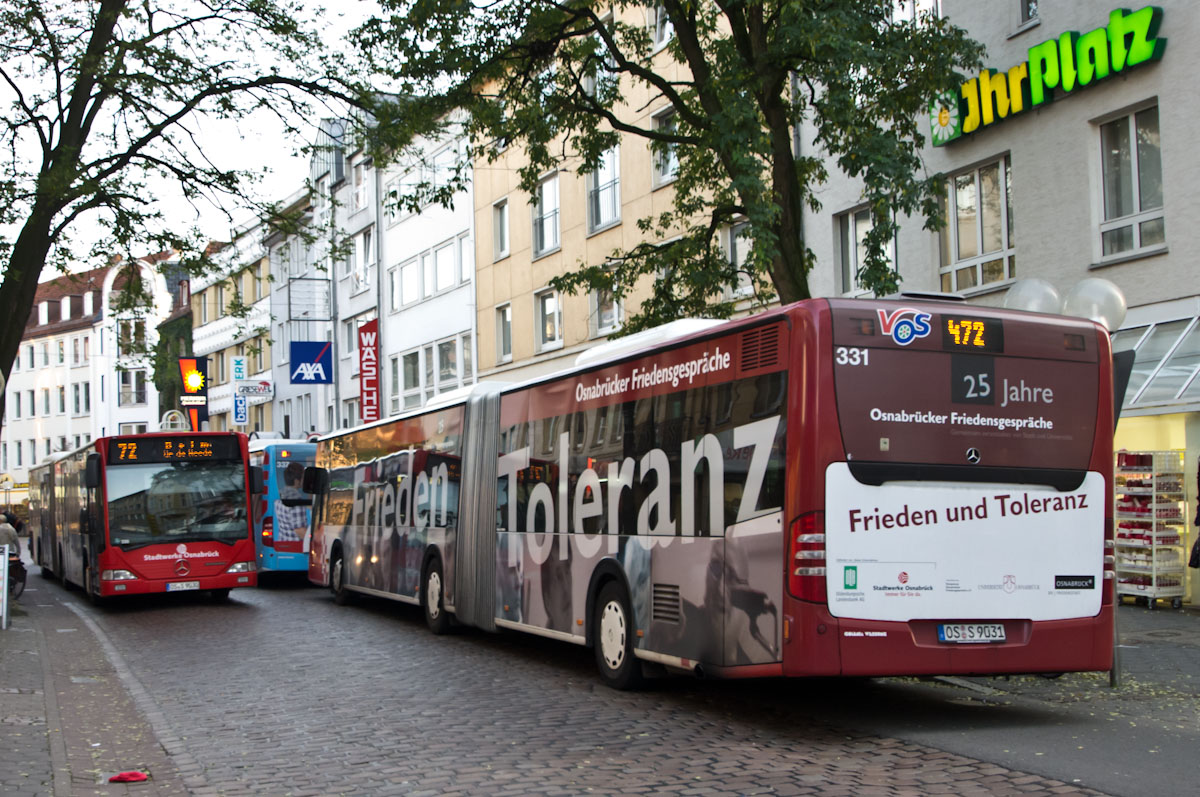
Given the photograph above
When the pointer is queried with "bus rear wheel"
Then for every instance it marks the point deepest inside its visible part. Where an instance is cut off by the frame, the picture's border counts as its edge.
(337, 580)
(613, 641)
(434, 587)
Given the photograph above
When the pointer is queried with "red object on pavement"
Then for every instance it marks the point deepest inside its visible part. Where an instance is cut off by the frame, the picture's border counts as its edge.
(128, 777)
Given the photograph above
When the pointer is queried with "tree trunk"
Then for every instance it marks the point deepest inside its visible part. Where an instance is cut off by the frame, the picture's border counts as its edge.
(19, 288)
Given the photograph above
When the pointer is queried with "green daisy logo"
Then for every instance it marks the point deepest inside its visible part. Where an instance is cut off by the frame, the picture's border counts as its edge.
(944, 119)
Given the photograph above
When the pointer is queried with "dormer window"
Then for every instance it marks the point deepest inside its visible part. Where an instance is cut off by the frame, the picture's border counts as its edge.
(65, 308)
(43, 313)
(88, 307)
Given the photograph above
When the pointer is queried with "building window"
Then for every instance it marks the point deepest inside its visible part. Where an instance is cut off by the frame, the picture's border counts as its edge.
(32, 402)
(15, 401)
(62, 399)
(140, 428)
(74, 351)
(220, 309)
(666, 161)
(202, 303)
(1133, 196)
(29, 356)
(133, 388)
(606, 309)
(46, 446)
(411, 371)
(604, 192)
(549, 320)
(17, 448)
(1029, 10)
(359, 198)
(739, 252)
(427, 274)
(76, 405)
(62, 352)
(977, 243)
(222, 373)
(661, 29)
(45, 354)
(394, 385)
(131, 338)
(504, 333)
(447, 365)
(410, 282)
(545, 216)
(394, 289)
(444, 267)
(87, 341)
(466, 257)
(364, 258)
(87, 395)
(45, 401)
(500, 230)
(852, 229)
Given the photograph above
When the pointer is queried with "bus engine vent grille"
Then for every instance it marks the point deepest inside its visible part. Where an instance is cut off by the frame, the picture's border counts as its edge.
(760, 348)
(666, 603)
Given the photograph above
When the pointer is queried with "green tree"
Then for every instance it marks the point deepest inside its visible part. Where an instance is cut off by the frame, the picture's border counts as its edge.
(103, 105)
(855, 77)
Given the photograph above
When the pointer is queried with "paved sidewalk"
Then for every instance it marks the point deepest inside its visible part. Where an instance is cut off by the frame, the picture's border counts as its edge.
(67, 719)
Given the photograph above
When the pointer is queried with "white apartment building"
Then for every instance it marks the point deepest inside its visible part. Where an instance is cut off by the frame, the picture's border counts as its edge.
(428, 290)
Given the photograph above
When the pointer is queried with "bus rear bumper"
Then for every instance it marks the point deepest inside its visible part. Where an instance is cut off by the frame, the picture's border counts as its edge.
(872, 648)
(283, 562)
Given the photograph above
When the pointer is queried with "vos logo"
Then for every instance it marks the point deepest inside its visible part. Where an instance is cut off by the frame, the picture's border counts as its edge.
(905, 324)
(309, 372)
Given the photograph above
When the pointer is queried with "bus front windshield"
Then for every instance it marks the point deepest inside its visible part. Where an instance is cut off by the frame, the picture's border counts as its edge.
(176, 502)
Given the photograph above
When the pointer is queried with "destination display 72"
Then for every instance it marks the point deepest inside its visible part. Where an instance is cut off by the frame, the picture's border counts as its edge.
(136, 450)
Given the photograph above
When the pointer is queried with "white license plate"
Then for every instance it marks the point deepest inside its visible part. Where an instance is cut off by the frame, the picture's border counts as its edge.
(971, 632)
(179, 586)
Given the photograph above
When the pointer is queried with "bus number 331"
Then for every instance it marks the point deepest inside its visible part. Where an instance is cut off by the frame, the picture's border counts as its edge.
(848, 355)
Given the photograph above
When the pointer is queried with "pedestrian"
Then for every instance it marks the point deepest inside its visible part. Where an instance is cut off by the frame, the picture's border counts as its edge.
(291, 510)
(8, 536)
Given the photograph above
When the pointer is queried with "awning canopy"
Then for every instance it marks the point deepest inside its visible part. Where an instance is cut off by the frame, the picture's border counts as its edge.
(1166, 366)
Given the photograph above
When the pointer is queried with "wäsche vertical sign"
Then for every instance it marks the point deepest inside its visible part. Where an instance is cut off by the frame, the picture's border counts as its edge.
(368, 370)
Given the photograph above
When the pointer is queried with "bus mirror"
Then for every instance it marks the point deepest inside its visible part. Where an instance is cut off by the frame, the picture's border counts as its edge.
(313, 477)
(91, 472)
(257, 483)
(1122, 370)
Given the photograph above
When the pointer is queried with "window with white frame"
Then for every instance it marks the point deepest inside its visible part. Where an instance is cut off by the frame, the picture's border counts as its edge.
(15, 403)
(62, 352)
(548, 316)
(411, 373)
(600, 72)
(45, 354)
(64, 309)
(358, 199)
(604, 192)
(62, 399)
(45, 401)
(851, 229)
(739, 243)
(87, 395)
(466, 257)
(222, 373)
(394, 295)
(427, 281)
(75, 351)
(76, 393)
(444, 165)
(394, 383)
(391, 198)
(133, 428)
(220, 309)
(33, 404)
(410, 282)
(1131, 160)
(363, 259)
(202, 303)
(666, 161)
(444, 266)
(504, 333)
(447, 365)
(661, 29)
(500, 230)
(977, 243)
(1029, 10)
(545, 216)
(133, 387)
(606, 311)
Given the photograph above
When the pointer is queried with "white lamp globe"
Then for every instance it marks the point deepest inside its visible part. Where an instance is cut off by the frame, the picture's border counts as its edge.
(1097, 299)
(1034, 295)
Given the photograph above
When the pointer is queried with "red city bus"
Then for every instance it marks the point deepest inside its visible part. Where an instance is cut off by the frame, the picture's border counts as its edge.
(835, 487)
(162, 512)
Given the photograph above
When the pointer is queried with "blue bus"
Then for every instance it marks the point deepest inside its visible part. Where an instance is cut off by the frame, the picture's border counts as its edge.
(282, 513)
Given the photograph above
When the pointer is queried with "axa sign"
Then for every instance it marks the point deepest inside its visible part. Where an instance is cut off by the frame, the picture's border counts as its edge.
(312, 362)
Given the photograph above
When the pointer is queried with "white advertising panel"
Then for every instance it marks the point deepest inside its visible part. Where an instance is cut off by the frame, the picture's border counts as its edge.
(957, 551)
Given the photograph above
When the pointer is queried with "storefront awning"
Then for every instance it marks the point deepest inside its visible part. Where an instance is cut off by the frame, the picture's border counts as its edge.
(1166, 367)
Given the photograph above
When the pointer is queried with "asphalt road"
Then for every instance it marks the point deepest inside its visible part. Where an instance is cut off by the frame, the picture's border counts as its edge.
(280, 691)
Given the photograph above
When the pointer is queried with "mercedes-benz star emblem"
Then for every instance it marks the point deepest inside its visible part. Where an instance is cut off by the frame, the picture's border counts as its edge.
(973, 455)
(182, 568)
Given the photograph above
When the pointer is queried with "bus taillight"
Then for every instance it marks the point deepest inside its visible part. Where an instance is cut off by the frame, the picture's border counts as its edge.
(806, 557)
(268, 532)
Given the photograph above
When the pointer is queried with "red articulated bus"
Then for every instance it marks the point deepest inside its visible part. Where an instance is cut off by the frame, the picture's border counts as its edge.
(835, 487)
(134, 514)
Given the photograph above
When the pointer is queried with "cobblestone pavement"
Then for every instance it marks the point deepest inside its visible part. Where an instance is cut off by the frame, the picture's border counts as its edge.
(281, 692)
